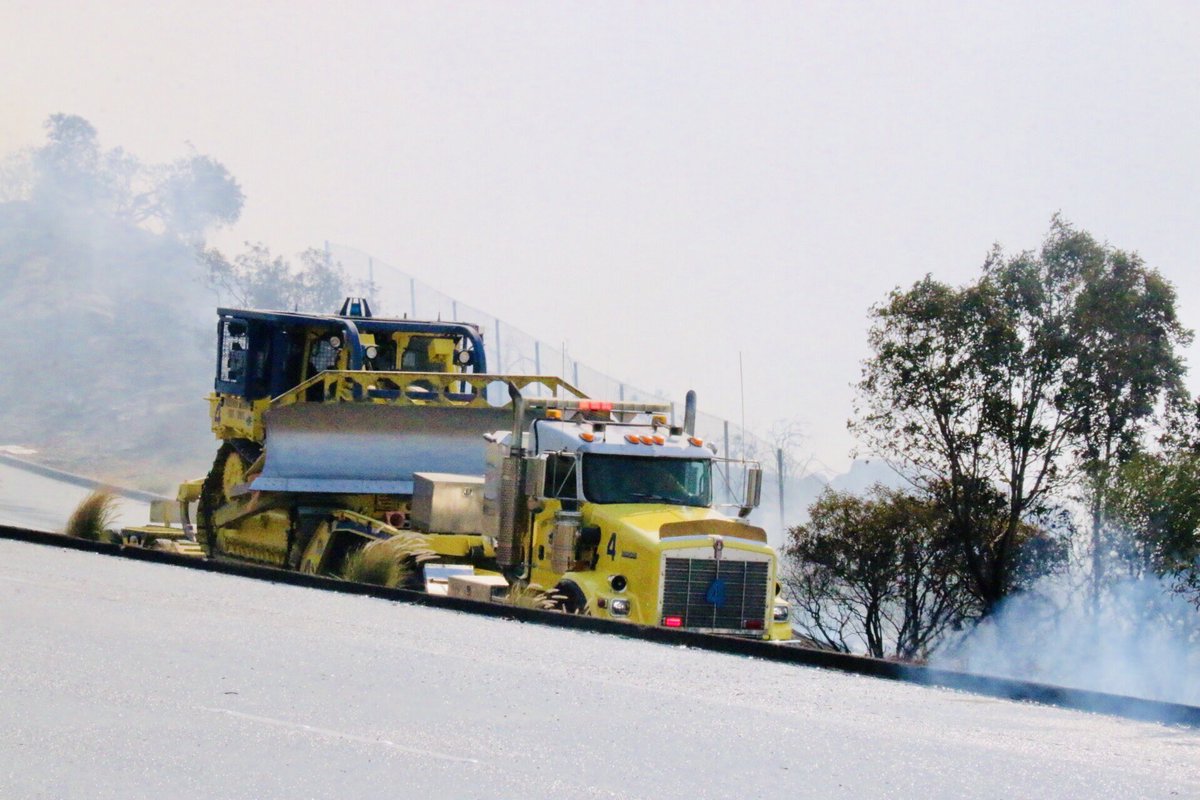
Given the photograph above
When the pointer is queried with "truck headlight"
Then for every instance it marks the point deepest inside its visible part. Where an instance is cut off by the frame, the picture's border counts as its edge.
(619, 607)
(781, 613)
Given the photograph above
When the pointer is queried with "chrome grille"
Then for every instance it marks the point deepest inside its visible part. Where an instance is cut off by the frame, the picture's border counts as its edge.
(688, 592)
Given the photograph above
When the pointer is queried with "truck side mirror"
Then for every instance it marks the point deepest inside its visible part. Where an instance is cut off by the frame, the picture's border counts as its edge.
(753, 491)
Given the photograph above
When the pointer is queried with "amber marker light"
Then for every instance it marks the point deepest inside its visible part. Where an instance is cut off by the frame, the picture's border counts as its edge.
(632, 438)
(696, 442)
(588, 437)
(658, 440)
(645, 440)
(554, 413)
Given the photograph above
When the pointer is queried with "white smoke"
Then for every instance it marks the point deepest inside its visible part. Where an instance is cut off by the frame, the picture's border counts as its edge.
(107, 301)
(1144, 640)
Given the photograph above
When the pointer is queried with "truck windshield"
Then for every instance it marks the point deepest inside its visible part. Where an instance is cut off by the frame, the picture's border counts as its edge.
(629, 479)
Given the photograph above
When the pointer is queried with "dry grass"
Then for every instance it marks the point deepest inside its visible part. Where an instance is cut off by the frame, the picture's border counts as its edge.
(93, 518)
(534, 596)
(388, 562)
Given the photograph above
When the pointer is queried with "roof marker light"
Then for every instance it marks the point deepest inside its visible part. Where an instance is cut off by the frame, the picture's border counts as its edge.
(658, 440)
(632, 438)
(588, 437)
(696, 441)
(553, 413)
(646, 440)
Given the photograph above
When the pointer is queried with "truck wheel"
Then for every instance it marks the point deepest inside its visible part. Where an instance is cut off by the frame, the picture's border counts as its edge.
(228, 471)
(570, 598)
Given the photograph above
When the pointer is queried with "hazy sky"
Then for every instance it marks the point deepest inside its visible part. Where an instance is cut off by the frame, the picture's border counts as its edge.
(660, 185)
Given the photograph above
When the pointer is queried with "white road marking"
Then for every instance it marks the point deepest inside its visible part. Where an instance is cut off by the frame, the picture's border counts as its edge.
(281, 723)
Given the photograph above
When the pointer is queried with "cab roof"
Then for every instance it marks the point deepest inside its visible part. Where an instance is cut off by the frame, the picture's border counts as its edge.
(371, 324)
(563, 435)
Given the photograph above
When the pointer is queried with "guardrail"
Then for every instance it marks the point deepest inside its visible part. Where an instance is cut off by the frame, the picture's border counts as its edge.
(81, 481)
(1003, 688)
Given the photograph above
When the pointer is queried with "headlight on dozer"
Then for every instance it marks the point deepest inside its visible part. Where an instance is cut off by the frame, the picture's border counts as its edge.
(781, 612)
(619, 607)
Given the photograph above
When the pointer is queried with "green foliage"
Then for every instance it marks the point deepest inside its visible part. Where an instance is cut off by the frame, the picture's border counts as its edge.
(197, 194)
(1125, 338)
(257, 279)
(74, 177)
(877, 570)
(93, 518)
(1155, 508)
(982, 393)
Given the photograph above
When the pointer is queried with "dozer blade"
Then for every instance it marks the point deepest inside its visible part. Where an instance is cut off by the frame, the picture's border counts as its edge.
(371, 449)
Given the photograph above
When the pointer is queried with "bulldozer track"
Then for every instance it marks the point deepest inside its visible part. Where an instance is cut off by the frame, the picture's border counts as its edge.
(1001, 688)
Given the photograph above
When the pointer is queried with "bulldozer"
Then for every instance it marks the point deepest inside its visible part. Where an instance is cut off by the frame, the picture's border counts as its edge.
(341, 431)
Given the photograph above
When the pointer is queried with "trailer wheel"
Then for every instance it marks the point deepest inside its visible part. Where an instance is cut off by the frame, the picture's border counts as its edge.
(228, 470)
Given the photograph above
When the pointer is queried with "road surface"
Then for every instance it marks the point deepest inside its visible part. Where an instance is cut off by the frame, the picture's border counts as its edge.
(123, 679)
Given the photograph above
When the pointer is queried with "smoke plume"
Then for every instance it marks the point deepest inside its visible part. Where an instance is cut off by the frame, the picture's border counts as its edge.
(1143, 641)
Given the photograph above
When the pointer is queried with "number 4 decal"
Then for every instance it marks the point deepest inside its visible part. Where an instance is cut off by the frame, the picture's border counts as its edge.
(612, 546)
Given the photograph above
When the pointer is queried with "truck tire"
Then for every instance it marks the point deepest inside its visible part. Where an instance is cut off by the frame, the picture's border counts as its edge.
(571, 598)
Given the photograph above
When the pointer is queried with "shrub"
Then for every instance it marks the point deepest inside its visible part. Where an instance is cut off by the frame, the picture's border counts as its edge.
(93, 518)
(388, 562)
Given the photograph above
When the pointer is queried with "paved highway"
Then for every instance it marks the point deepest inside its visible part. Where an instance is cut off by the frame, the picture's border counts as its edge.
(121, 679)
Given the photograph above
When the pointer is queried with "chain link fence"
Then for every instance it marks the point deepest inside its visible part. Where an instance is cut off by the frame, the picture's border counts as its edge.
(510, 350)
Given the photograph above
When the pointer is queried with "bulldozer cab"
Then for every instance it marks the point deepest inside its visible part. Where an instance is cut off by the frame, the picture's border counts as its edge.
(263, 354)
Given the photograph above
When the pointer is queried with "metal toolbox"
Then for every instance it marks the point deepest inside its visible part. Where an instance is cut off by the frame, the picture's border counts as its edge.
(484, 588)
(445, 503)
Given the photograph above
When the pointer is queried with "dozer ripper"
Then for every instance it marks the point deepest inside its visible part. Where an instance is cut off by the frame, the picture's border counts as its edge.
(339, 431)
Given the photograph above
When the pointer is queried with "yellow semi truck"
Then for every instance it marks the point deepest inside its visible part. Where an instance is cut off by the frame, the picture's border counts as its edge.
(338, 431)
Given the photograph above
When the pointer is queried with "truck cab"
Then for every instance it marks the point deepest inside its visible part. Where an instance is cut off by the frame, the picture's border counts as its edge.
(623, 523)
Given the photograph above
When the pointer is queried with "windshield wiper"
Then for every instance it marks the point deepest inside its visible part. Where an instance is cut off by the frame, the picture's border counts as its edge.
(655, 497)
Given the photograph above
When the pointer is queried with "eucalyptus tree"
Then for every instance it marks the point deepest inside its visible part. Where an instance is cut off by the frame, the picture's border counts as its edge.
(963, 393)
(1044, 368)
(1127, 364)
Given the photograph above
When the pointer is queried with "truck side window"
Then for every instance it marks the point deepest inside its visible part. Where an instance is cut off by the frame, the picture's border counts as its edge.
(560, 477)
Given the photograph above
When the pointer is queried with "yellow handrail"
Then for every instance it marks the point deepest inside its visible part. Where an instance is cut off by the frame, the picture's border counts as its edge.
(454, 389)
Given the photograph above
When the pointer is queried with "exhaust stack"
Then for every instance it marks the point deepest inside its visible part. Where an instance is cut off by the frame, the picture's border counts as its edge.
(689, 413)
